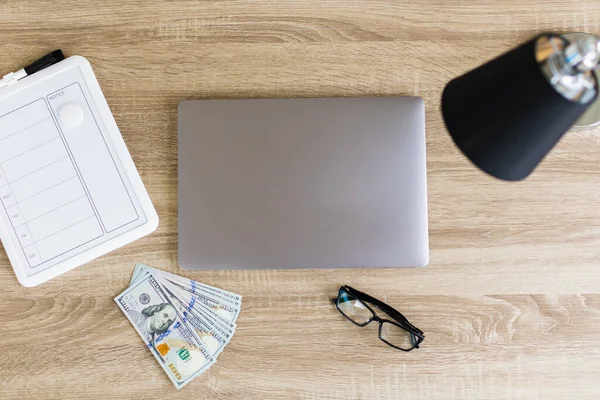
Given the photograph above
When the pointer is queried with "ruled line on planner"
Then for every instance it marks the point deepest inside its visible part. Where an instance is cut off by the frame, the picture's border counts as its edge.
(24, 129)
(33, 148)
(51, 187)
(39, 169)
(48, 212)
(65, 228)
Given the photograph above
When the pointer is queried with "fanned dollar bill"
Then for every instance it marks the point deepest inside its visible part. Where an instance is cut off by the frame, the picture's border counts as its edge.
(194, 286)
(185, 324)
(213, 303)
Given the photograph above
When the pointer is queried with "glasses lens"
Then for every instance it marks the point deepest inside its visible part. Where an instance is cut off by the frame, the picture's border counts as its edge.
(396, 336)
(353, 308)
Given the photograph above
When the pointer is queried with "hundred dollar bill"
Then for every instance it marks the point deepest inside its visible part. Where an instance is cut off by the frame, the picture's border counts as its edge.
(221, 311)
(199, 288)
(223, 327)
(221, 308)
(217, 323)
(226, 308)
(218, 310)
(214, 338)
(177, 348)
(192, 285)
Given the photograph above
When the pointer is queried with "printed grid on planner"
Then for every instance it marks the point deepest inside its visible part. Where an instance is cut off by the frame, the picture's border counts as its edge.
(41, 192)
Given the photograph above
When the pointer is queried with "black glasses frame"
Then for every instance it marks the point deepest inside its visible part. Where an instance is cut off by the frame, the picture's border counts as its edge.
(399, 320)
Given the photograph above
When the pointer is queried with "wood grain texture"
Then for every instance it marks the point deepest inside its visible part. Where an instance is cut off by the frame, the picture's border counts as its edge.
(510, 302)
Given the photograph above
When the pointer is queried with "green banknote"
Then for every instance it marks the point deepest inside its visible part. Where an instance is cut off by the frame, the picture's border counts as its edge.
(176, 346)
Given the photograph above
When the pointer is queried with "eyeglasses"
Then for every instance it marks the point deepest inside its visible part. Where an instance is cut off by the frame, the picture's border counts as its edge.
(398, 333)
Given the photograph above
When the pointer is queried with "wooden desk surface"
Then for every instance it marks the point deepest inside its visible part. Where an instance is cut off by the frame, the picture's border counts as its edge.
(510, 302)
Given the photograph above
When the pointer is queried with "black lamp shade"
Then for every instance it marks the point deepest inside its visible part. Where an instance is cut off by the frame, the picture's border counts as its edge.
(505, 116)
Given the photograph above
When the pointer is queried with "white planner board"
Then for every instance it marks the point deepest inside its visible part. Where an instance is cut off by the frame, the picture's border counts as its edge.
(69, 190)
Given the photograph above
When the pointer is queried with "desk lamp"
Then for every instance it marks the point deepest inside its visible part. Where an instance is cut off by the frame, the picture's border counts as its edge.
(507, 114)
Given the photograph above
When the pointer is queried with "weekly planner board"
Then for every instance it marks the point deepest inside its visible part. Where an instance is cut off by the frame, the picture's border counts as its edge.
(69, 190)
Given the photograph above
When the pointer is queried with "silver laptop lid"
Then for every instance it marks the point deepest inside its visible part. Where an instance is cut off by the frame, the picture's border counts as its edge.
(302, 183)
